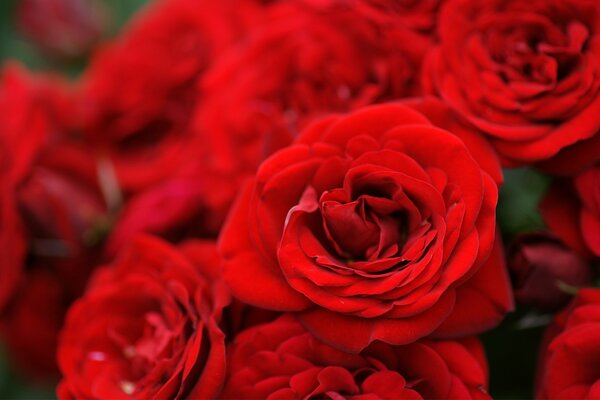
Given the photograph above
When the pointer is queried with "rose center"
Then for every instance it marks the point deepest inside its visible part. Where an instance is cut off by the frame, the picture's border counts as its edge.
(536, 52)
(367, 228)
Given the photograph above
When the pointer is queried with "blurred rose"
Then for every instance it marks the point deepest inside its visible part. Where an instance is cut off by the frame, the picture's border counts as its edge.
(136, 101)
(544, 270)
(263, 92)
(64, 29)
(570, 352)
(137, 96)
(51, 207)
(419, 15)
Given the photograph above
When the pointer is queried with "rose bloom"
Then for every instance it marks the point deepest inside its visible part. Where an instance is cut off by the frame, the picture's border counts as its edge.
(137, 96)
(136, 101)
(372, 226)
(570, 352)
(542, 266)
(51, 208)
(526, 74)
(571, 208)
(263, 91)
(281, 360)
(147, 327)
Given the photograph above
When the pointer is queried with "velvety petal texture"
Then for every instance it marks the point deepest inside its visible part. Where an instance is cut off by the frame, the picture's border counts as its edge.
(371, 227)
(571, 208)
(526, 74)
(282, 360)
(154, 328)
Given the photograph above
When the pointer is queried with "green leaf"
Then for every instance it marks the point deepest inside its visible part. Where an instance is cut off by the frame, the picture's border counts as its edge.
(519, 199)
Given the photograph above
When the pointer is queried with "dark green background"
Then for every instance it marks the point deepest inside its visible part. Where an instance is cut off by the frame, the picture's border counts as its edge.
(511, 349)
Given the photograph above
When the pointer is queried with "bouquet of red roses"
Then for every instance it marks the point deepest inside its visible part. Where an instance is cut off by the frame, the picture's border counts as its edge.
(362, 199)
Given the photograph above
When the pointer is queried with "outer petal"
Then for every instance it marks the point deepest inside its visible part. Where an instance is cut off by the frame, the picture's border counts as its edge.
(444, 117)
(560, 210)
(590, 226)
(250, 276)
(353, 334)
(374, 121)
(482, 301)
(573, 159)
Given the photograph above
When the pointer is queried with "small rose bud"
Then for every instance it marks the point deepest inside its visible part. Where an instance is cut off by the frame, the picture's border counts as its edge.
(546, 272)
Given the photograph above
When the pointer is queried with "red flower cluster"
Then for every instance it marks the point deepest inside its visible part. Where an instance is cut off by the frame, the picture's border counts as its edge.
(264, 199)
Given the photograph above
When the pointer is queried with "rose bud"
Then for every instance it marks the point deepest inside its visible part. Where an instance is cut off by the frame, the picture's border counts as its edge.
(544, 269)
(63, 29)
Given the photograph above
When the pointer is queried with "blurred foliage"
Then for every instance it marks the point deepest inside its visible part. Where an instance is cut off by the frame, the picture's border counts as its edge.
(512, 351)
(14, 46)
(518, 201)
(14, 386)
(512, 348)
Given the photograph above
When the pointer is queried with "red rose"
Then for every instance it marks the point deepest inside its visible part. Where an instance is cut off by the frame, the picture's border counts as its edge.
(568, 367)
(373, 226)
(50, 199)
(51, 206)
(63, 29)
(147, 327)
(526, 74)
(571, 208)
(282, 360)
(137, 96)
(349, 54)
(543, 268)
(443, 116)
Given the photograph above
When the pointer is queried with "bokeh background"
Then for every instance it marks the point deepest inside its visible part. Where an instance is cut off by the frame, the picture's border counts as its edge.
(26, 27)
(27, 30)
